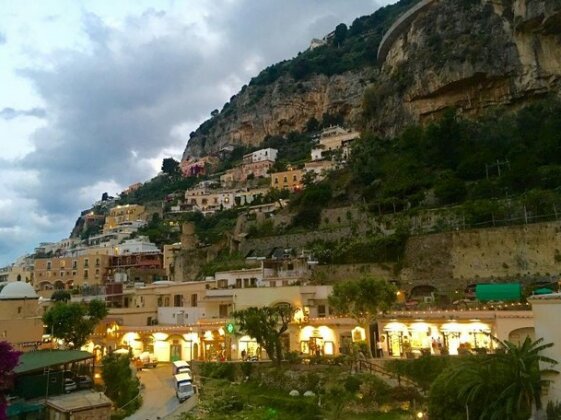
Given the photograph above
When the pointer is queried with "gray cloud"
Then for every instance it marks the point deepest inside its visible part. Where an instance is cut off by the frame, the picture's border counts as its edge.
(11, 113)
(113, 108)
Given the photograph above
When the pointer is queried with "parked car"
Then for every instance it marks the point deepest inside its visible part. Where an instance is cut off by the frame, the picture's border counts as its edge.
(83, 382)
(69, 385)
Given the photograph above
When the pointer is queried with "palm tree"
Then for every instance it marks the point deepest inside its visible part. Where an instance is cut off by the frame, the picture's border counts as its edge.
(522, 362)
(504, 386)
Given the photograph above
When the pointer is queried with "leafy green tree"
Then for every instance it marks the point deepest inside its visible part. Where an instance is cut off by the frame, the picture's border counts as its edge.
(121, 386)
(450, 190)
(312, 125)
(362, 299)
(266, 324)
(74, 322)
(170, 166)
(340, 34)
(60, 296)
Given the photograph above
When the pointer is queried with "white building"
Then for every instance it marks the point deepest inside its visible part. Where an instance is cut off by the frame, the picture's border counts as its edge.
(334, 139)
(140, 245)
(547, 312)
(261, 155)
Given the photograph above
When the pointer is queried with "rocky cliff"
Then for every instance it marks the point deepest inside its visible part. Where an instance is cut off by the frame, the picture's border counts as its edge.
(468, 54)
(279, 108)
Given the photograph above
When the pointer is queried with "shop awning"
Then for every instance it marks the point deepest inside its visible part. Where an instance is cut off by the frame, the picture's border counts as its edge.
(502, 292)
(543, 291)
(37, 360)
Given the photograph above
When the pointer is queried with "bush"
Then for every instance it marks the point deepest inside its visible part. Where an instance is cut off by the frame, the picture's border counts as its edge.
(375, 389)
(307, 217)
(293, 357)
(218, 370)
(352, 384)
(301, 407)
(246, 367)
(422, 371)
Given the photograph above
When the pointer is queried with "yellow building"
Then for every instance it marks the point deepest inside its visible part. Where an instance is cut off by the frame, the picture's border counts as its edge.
(190, 321)
(411, 334)
(287, 180)
(21, 322)
(170, 253)
(126, 213)
(70, 272)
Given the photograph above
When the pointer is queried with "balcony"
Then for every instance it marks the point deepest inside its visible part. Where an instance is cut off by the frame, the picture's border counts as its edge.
(219, 295)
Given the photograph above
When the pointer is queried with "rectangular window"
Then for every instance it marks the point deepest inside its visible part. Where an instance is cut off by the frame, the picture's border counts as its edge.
(74, 264)
(224, 311)
(86, 274)
(238, 283)
(321, 311)
(178, 300)
(86, 263)
(49, 265)
(194, 300)
(222, 284)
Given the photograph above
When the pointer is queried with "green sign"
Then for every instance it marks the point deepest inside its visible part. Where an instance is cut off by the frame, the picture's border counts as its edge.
(230, 328)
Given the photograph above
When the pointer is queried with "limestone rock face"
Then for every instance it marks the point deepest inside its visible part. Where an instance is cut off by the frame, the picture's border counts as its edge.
(279, 108)
(468, 55)
(471, 55)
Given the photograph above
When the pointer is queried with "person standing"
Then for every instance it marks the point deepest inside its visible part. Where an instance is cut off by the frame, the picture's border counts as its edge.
(380, 348)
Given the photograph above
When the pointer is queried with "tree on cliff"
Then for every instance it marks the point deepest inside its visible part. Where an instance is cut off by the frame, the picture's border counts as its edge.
(170, 166)
(362, 300)
(74, 322)
(266, 325)
(340, 34)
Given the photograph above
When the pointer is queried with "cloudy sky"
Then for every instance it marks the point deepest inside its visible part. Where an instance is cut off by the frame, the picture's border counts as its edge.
(93, 94)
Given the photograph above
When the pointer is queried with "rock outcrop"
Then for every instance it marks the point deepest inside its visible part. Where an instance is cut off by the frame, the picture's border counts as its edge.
(471, 55)
(279, 108)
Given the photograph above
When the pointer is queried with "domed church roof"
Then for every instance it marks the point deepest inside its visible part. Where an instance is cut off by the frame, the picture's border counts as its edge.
(18, 290)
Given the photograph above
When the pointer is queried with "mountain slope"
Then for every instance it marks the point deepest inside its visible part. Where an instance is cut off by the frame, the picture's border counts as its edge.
(468, 54)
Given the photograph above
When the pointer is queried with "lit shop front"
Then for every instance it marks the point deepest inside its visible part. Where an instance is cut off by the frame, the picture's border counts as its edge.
(420, 337)
(317, 341)
(166, 346)
(175, 346)
(250, 346)
(214, 345)
(458, 336)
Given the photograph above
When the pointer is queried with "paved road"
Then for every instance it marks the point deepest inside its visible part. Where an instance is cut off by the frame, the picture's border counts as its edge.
(159, 400)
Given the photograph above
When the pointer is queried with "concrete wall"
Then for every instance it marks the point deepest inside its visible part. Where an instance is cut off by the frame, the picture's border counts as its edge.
(451, 260)
(547, 312)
